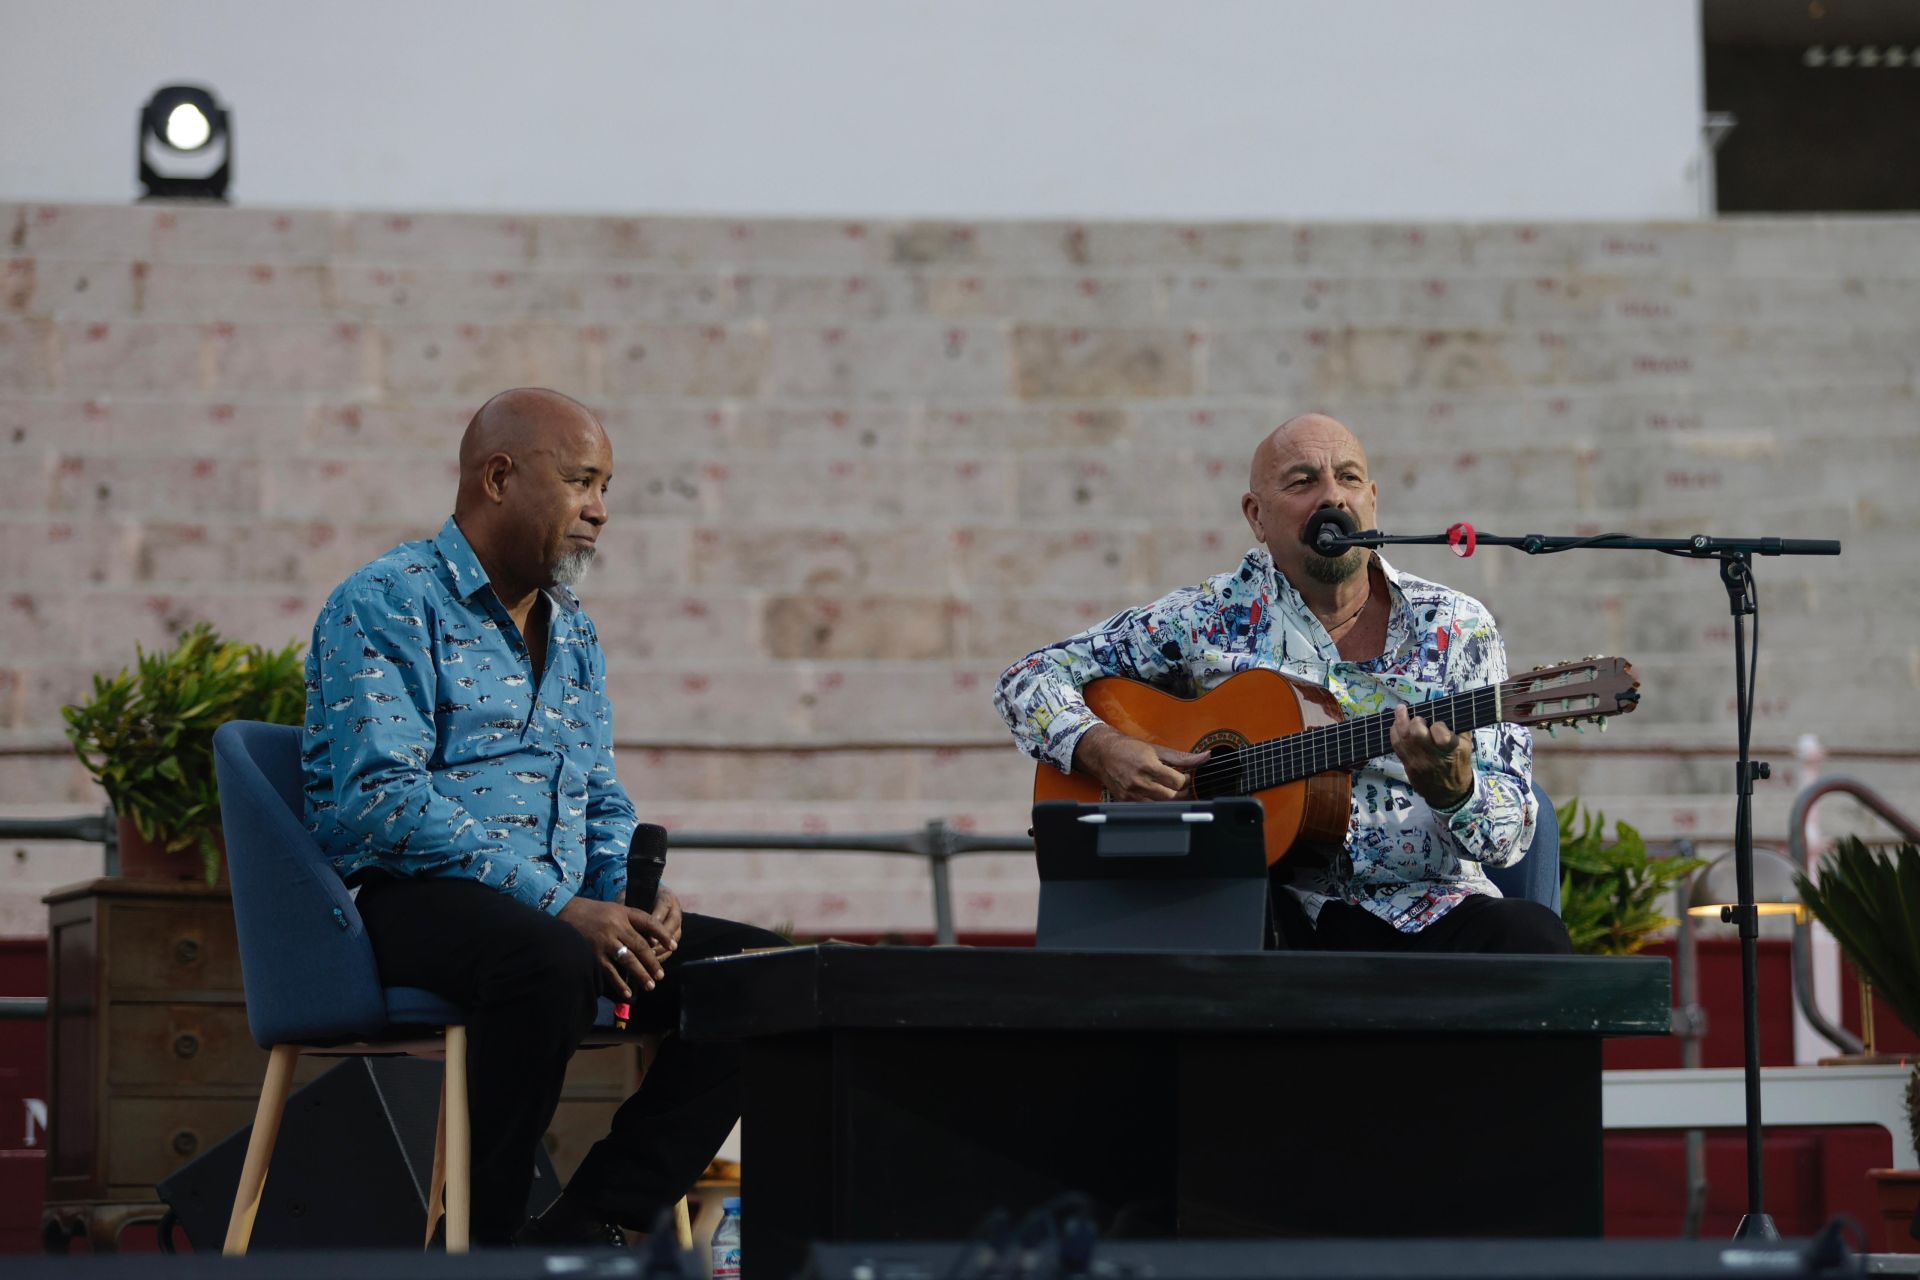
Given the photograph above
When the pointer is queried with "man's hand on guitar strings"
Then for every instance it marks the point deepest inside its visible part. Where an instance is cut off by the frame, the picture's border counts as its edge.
(1439, 761)
(1132, 769)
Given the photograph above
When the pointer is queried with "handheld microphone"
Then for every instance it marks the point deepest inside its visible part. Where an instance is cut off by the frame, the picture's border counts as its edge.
(1328, 525)
(646, 863)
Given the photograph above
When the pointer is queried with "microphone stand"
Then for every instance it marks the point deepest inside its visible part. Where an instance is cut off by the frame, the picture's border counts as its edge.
(1736, 574)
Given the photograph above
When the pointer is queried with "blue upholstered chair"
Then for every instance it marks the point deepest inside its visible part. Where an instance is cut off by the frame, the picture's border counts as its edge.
(309, 973)
(1535, 877)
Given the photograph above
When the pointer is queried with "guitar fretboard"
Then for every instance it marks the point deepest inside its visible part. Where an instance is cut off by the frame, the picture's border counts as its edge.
(1345, 745)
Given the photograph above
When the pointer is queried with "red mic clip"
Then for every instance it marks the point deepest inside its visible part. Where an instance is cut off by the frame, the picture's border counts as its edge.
(1462, 539)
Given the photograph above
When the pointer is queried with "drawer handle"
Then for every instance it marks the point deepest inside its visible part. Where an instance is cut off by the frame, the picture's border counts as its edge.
(186, 1142)
(186, 951)
(186, 1044)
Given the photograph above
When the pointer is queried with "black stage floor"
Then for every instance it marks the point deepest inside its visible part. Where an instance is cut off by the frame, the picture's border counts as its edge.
(1557, 1259)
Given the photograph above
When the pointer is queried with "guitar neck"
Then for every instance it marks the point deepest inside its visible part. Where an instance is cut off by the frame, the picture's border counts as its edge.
(1351, 743)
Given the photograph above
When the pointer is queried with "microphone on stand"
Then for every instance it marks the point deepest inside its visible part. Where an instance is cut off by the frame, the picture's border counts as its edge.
(1327, 531)
(646, 863)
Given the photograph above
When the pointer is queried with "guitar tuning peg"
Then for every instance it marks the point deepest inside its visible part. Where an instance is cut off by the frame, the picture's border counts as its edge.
(1577, 728)
(1550, 732)
(1602, 722)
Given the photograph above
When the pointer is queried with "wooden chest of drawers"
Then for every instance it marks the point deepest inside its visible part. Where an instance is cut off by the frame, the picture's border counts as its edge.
(150, 1060)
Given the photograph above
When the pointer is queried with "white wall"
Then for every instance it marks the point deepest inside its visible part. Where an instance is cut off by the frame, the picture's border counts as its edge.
(1202, 109)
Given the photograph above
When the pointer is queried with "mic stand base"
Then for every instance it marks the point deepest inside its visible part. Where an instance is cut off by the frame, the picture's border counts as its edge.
(1756, 1226)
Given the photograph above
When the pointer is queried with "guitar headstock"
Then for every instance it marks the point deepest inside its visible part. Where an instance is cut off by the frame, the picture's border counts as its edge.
(1572, 693)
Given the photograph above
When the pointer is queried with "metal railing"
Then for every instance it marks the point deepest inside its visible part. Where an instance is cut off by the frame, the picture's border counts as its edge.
(937, 842)
(1797, 822)
(1690, 1024)
(89, 828)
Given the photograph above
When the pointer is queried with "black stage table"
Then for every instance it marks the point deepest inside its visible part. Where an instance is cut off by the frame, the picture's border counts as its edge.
(904, 1092)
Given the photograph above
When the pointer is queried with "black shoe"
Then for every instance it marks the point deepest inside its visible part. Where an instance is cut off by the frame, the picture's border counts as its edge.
(566, 1225)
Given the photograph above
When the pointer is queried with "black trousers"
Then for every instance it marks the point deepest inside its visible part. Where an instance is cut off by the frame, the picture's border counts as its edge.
(1513, 926)
(531, 986)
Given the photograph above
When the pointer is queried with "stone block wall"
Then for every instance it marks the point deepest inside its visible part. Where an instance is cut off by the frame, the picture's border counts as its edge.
(861, 467)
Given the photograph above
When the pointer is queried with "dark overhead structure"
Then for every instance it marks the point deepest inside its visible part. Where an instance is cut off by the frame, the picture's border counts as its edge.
(1824, 95)
(185, 145)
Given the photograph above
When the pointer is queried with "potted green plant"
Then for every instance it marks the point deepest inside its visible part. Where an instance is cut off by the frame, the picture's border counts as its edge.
(146, 735)
(1870, 902)
(1610, 891)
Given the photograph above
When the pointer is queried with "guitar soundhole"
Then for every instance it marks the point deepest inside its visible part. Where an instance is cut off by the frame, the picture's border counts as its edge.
(1221, 775)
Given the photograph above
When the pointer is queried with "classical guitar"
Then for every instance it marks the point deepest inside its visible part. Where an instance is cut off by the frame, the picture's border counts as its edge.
(1289, 745)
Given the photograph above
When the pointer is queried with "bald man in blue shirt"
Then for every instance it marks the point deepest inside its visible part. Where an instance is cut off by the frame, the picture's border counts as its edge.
(459, 770)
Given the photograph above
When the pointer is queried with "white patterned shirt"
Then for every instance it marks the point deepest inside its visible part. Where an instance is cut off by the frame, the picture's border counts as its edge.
(1404, 861)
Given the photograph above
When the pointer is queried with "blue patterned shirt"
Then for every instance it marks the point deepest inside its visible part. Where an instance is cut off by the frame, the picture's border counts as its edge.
(432, 750)
(1404, 861)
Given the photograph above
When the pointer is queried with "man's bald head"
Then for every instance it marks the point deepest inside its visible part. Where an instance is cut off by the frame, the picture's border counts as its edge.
(1283, 444)
(1308, 463)
(534, 470)
(521, 423)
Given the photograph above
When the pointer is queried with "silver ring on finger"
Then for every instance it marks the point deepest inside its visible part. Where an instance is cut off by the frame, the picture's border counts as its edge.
(620, 952)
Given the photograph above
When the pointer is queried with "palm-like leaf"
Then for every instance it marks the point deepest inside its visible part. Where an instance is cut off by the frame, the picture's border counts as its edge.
(1871, 904)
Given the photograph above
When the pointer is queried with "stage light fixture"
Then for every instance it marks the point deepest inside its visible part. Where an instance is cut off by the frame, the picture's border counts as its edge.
(188, 128)
(1716, 888)
(185, 145)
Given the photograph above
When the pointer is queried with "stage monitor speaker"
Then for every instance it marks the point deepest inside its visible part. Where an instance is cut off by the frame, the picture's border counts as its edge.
(1568, 1259)
(351, 1166)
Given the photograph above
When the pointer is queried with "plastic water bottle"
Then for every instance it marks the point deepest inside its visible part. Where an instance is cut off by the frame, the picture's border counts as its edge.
(726, 1241)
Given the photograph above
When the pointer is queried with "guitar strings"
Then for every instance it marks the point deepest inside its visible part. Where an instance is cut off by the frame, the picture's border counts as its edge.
(1295, 756)
(1287, 759)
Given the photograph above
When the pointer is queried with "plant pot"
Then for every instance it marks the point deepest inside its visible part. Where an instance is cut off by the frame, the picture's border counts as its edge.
(1899, 1194)
(144, 859)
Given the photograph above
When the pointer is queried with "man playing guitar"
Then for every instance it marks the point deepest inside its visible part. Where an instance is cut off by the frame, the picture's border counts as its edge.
(1426, 818)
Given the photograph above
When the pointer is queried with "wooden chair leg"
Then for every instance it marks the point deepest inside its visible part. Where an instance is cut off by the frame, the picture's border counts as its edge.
(266, 1128)
(437, 1184)
(459, 1143)
(712, 1210)
(682, 1225)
